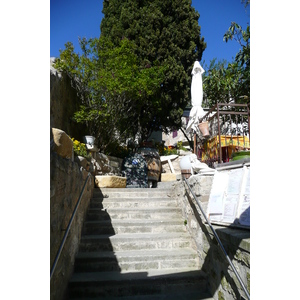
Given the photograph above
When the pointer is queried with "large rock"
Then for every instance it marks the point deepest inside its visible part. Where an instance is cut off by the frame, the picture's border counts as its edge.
(62, 143)
(110, 181)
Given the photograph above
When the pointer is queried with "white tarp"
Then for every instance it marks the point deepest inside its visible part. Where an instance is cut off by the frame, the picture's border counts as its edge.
(196, 96)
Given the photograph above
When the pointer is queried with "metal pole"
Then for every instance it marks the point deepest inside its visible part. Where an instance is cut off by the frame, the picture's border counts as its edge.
(219, 242)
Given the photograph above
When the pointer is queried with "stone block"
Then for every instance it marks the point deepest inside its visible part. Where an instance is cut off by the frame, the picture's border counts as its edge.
(110, 181)
(168, 177)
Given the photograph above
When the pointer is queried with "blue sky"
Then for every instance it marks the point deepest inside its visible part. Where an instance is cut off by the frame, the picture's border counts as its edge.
(70, 19)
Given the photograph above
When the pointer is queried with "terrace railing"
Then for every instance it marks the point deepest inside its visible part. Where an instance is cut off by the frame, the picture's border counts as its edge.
(229, 125)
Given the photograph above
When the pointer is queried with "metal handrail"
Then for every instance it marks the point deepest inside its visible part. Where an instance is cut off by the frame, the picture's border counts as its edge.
(219, 241)
(68, 228)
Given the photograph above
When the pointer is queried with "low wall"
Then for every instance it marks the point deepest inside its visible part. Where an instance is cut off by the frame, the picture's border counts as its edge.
(222, 281)
(66, 181)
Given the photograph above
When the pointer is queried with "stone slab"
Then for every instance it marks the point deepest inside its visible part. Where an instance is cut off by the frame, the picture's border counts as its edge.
(169, 177)
(110, 181)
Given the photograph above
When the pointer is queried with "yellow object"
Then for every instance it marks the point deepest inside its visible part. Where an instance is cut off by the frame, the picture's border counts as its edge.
(211, 146)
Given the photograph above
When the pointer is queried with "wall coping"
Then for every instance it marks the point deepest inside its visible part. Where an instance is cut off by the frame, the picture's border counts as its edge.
(236, 236)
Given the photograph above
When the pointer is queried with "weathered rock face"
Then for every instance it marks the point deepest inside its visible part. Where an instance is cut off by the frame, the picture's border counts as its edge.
(64, 102)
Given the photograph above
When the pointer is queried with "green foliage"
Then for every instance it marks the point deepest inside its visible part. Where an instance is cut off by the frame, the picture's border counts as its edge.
(223, 82)
(117, 150)
(80, 149)
(169, 151)
(180, 147)
(113, 88)
(165, 33)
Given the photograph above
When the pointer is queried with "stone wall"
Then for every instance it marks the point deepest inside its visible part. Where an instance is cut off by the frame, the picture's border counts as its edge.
(223, 282)
(66, 181)
(64, 102)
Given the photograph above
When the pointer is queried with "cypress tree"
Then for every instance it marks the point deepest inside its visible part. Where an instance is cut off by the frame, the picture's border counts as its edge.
(167, 35)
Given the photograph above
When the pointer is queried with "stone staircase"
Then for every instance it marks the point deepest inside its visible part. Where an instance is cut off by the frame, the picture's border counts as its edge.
(135, 246)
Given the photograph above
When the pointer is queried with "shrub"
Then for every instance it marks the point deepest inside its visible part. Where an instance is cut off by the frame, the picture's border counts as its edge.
(80, 149)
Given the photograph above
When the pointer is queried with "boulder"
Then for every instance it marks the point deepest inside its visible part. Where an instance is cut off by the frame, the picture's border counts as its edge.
(110, 181)
(62, 143)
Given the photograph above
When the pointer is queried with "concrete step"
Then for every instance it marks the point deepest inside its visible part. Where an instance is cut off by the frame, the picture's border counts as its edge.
(136, 241)
(134, 245)
(131, 193)
(166, 184)
(132, 202)
(185, 295)
(161, 213)
(136, 260)
(133, 226)
(155, 283)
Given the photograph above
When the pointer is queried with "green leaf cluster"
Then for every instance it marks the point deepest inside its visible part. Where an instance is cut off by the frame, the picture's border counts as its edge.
(225, 82)
(112, 86)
